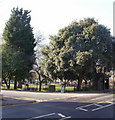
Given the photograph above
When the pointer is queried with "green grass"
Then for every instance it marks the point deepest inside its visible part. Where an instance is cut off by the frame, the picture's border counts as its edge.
(67, 89)
(44, 87)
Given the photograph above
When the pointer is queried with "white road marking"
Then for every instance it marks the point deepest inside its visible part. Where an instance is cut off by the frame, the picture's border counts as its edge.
(65, 118)
(102, 107)
(41, 116)
(83, 109)
(97, 104)
(85, 105)
(61, 115)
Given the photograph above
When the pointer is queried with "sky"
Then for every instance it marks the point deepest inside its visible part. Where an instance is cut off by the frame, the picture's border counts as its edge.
(48, 16)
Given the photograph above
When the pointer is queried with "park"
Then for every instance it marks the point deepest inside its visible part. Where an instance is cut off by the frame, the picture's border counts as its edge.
(79, 53)
(74, 73)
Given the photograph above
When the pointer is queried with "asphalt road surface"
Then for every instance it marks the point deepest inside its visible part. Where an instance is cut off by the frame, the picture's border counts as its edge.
(61, 106)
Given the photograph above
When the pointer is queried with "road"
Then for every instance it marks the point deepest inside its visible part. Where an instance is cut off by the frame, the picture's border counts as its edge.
(61, 106)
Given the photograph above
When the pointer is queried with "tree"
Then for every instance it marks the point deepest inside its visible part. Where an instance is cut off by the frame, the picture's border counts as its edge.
(39, 44)
(113, 48)
(1, 64)
(84, 66)
(19, 38)
(39, 41)
(12, 61)
(85, 39)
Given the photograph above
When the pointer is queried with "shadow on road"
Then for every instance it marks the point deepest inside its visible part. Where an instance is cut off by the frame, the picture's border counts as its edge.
(61, 111)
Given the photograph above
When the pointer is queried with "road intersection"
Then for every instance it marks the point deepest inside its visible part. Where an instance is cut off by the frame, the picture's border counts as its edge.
(63, 106)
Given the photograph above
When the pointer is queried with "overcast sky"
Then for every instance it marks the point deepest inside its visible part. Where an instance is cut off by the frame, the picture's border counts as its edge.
(48, 16)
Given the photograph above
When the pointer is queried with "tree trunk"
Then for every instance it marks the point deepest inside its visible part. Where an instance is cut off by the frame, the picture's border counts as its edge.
(15, 84)
(79, 83)
(40, 86)
(85, 83)
(95, 81)
(7, 83)
(40, 82)
(95, 84)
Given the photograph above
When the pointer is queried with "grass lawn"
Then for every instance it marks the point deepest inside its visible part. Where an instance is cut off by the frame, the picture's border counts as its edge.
(44, 87)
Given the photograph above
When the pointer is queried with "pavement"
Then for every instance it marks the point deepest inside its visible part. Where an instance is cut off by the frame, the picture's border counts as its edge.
(76, 106)
(8, 101)
(16, 104)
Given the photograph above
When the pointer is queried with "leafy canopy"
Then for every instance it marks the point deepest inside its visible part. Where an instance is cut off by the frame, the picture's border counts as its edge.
(76, 49)
(19, 44)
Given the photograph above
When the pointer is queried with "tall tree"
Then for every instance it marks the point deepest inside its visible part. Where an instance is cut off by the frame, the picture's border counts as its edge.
(19, 37)
(39, 41)
(62, 54)
(113, 48)
(0, 64)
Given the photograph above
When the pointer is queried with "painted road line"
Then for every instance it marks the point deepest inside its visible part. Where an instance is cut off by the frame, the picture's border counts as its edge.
(61, 115)
(42, 116)
(102, 107)
(83, 109)
(97, 104)
(90, 105)
(85, 105)
(65, 118)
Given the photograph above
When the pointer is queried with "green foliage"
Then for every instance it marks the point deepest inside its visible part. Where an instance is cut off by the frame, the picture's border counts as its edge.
(76, 49)
(83, 58)
(19, 44)
(18, 31)
(0, 62)
(113, 48)
(12, 62)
